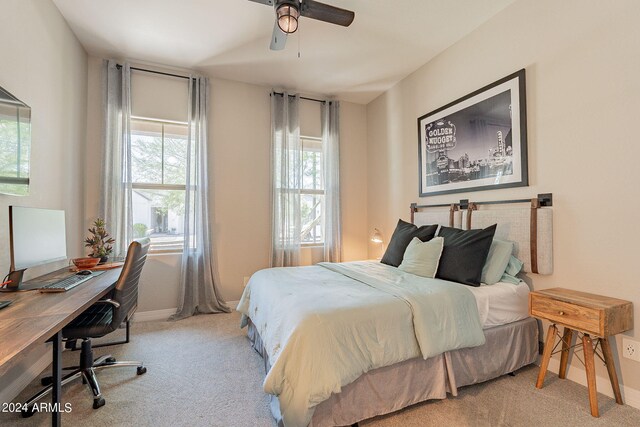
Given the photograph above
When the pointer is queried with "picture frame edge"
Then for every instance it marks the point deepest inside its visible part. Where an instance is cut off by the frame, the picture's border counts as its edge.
(524, 181)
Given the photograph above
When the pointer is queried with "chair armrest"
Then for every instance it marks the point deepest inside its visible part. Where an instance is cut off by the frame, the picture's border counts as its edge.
(116, 304)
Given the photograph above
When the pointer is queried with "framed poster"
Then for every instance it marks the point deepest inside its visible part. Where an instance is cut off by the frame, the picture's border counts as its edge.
(477, 142)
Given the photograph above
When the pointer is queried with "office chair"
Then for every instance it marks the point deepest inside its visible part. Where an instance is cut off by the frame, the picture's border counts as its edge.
(102, 318)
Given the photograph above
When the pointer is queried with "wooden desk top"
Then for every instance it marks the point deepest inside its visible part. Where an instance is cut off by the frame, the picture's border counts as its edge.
(34, 317)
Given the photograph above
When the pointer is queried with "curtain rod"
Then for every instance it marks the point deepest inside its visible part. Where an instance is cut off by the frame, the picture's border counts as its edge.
(303, 97)
(155, 72)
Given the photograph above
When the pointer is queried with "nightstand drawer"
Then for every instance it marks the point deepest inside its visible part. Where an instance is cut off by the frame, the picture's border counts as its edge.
(584, 319)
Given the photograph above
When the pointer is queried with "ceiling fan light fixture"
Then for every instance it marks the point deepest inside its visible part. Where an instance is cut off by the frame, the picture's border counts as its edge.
(288, 15)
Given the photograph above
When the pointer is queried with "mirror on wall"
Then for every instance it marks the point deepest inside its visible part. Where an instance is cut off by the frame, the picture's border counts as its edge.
(15, 144)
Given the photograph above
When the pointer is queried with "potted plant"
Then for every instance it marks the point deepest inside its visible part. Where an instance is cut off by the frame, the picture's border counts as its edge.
(99, 241)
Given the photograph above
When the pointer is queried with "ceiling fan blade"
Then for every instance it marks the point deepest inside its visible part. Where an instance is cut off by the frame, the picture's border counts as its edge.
(324, 12)
(278, 39)
(267, 2)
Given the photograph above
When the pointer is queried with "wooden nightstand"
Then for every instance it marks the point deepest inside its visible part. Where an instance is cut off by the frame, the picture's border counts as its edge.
(590, 316)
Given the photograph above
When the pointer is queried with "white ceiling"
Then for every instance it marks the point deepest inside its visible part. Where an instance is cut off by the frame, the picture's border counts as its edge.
(230, 39)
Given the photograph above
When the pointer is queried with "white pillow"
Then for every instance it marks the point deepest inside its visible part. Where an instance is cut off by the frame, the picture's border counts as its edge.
(422, 258)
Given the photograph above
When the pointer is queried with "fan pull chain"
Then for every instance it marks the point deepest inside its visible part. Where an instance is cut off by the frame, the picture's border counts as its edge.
(299, 44)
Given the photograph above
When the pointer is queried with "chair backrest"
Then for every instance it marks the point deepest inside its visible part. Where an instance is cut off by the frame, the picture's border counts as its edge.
(126, 291)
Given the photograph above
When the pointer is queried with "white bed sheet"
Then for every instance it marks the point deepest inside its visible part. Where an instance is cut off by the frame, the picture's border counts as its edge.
(501, 303)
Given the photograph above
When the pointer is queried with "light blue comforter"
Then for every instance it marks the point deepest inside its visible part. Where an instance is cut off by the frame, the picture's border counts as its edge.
(324, 326)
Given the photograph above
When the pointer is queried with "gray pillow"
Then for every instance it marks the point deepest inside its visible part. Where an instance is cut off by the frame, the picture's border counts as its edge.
(422, 258)
(497, 261)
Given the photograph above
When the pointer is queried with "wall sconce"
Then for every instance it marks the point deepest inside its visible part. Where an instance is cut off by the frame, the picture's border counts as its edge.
(376, 237)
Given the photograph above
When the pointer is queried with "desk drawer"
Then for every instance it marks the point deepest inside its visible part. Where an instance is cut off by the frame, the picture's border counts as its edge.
(581, 318)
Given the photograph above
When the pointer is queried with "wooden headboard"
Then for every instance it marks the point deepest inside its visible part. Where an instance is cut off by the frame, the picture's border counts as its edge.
(526, 222)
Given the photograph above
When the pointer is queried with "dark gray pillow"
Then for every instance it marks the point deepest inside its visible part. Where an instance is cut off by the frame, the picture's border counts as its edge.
(401, 238)
(464, 254)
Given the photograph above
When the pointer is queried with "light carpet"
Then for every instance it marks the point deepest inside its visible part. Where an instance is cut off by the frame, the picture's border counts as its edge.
(202, 371)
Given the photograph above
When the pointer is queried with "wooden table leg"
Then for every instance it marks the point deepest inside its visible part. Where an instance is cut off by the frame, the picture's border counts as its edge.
(564, 356)
(611, 368)
(548, 348)
(591, 374)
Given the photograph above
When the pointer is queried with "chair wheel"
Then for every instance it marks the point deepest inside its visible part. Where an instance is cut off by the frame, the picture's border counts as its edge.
(98, 402)
(110, 360)
(142, 370)
(27, 413)
(45, 381)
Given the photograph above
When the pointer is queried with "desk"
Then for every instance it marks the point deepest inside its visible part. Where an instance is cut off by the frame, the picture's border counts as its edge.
(33, 318)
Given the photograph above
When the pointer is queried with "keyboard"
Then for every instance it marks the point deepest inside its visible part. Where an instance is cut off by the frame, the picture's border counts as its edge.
(65, 284)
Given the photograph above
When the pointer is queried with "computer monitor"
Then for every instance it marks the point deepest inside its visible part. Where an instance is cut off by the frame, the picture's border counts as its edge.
(37, 236)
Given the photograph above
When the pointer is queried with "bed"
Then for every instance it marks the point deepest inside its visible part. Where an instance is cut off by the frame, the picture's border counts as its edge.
(345, 342)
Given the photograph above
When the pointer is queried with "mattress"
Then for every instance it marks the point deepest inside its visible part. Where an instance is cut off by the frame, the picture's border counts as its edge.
(501, 303)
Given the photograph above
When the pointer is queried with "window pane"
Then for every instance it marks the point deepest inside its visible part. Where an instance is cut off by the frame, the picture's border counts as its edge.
(175, 154)
(312, 164)
(159, 214)
(14, 138)
(146, 152)
(312, 170)
(311, 218)
(15, 143)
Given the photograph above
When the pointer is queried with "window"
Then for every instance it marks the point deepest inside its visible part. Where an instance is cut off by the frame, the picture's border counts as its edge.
(312, 193)
(15, 144)
(158, 173)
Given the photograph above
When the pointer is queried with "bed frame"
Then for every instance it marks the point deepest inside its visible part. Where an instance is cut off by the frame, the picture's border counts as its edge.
(526, 222)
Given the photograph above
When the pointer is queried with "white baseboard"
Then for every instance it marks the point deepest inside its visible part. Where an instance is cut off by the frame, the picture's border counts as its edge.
(630, 396)
(149, 316)
(24, 377)
(153, 315)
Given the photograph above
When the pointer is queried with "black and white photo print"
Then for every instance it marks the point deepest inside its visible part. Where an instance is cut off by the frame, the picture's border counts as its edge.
(477, 142)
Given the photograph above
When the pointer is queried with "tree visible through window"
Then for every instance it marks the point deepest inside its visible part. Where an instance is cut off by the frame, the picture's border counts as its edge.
(158, 172)
(15, 143)
(312, 193)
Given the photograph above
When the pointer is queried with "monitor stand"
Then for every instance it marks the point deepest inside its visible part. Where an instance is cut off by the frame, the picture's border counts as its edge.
(16, 280)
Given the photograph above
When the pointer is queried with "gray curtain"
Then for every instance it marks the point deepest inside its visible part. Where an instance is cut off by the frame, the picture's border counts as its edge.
(331, 206)
(198, 278)
(286, 180)
(115, 205)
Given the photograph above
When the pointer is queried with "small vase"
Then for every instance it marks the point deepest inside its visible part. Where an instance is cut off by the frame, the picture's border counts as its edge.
(103, 260)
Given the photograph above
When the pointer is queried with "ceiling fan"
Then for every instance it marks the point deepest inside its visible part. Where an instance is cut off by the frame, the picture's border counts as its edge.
(288, 12)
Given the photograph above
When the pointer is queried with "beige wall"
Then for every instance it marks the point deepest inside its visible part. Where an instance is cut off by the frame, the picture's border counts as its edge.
(239, 147)
(45, 66)
(583, 98)
(239, 156)
(353, 181)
